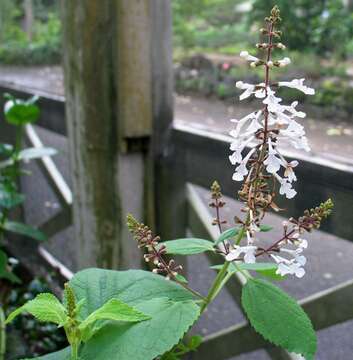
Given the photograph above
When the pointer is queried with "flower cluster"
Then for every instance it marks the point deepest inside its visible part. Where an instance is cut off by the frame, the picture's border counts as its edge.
(275, 124)
(262, 168)
(154, 252)
(291, 245)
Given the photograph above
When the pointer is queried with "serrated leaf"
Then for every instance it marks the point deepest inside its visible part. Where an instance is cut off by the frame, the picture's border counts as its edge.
(188, 246)
(138, 341)
(44, 307)
(228, 234)
(278, 318)
(36, 153)
(115, 310)
(170, 319)
(23, 229)
(265, 228)
(19, 112)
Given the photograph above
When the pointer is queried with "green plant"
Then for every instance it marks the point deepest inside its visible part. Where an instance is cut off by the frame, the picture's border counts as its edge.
(18, 113)
(167, 309)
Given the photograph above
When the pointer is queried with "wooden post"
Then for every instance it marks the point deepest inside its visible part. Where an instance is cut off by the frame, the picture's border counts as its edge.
(107, 183)
(110, 58)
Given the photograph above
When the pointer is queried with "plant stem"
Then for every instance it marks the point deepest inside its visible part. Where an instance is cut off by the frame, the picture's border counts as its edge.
(2, 334)
(216, 286)
(74, 351)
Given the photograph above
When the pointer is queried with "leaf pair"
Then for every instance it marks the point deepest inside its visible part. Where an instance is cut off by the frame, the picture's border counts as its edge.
(47, 308)
(20, 112)
(170, 308)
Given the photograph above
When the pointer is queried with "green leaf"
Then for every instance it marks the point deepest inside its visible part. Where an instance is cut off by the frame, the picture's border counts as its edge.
(9, 199)
(6, 149)
(145, 340)
(4, 272)
(264, 269)
(189, 246)
(64, 354)
(181, 278)
(171, 308)
(228, 234)
(265, 228)
(45, 307)
(172, 313)
(24, 229)
(194, 342)
(19, 112)
(36, 153)
(278, 318)
(115, 310)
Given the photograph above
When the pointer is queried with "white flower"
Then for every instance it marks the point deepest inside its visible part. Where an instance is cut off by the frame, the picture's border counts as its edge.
(290, 267)
(272, 101)
(248, 57)
(288, 172)
(238, 146)
(286, 188)
(299, 85)
(257, 90)
(272, 161)
(241, 171)
(248, 251)
(284, 62)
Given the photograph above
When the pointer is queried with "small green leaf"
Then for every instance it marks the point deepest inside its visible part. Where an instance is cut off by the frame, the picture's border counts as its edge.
(6, 149)
(36, 153)
(231, 268)
(115, 310)
(24, 229)
(265, 228)
(264, 269)
(181, 278)
(189, 246)
(4, 272)
(9, 198)
(19, 112)
(194, 342)
(278, 318)
(3, 261)
(45, 307)
(228, 234)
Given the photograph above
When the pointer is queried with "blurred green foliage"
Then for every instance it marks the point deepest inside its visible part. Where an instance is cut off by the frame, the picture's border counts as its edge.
(15, 45)
(209, 24)
(323, 27)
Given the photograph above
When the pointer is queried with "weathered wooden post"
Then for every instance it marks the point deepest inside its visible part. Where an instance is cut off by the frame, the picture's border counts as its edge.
(118, 87)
